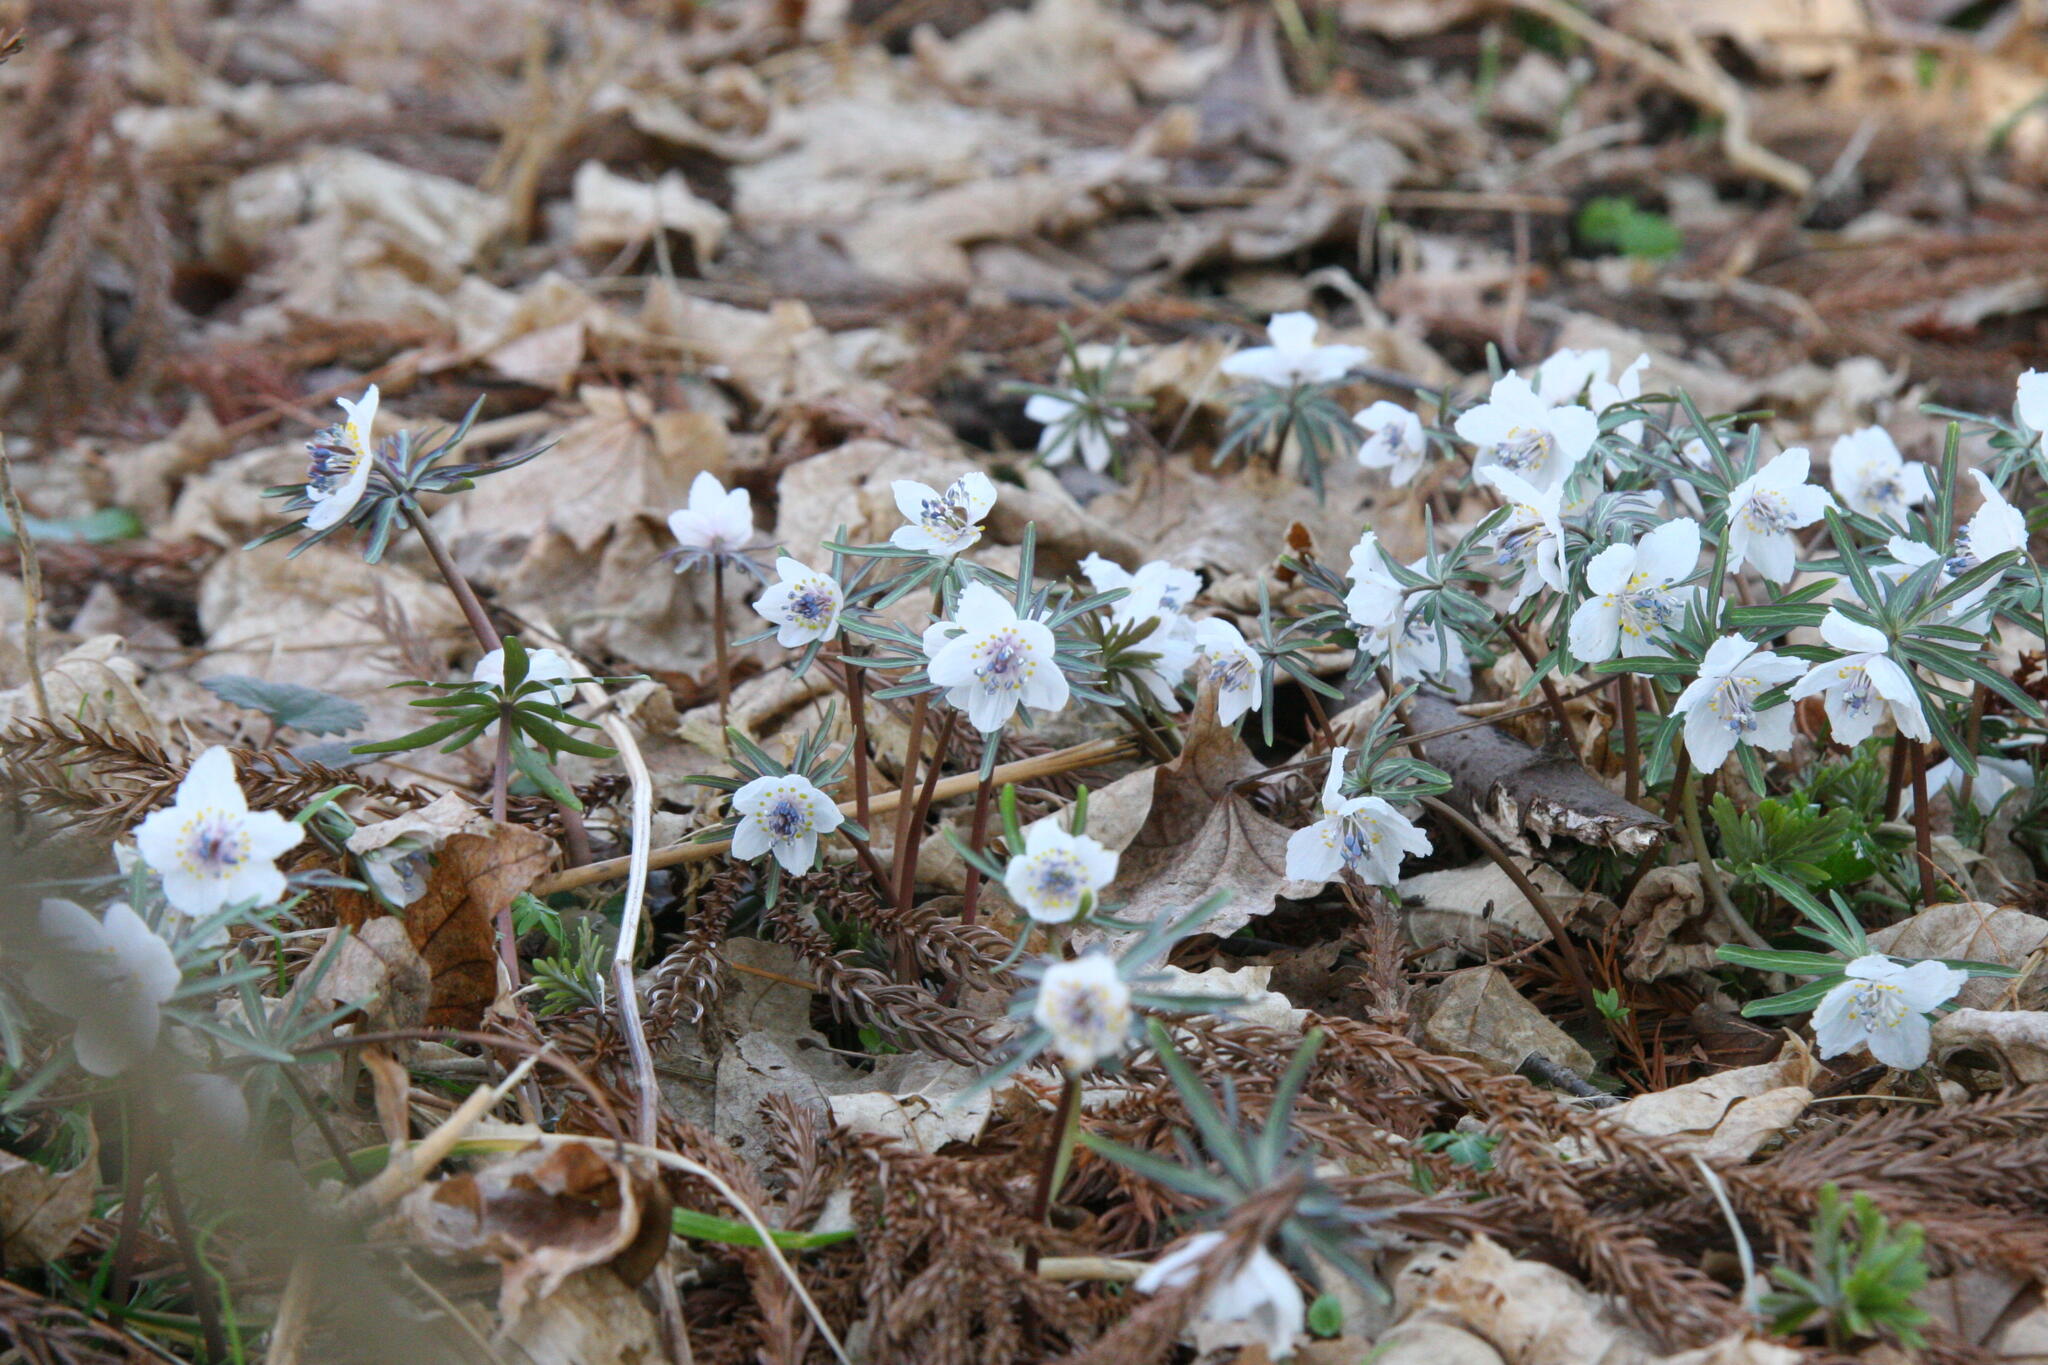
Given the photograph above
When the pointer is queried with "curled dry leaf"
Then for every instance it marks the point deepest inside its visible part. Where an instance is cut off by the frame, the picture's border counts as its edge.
(41, 1210)
(2016, 1039)
(1729, 1114)
(1979, 931)
(1465, 904)
(1478, 1014)
(1672, 925)
(378, 969)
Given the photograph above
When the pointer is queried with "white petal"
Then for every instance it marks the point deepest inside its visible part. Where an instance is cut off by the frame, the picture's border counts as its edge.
(1852, 636)
(1927, 985)
(1707, 740)
(1312, 854)
(1292, 331)
(1595, 631)
(1835, 1030)
(1668, 553)
(751, 840)
(1905, 1046)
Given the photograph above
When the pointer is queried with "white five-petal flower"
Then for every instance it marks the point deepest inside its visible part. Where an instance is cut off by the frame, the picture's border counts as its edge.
(1533, 534)
(1863, 684)
(1393, 441)
(1086, 1007)
(782, 814)
(1517, 431)
(1232, 665)
(111, 975)
(1058, 874)
(942, 523)
(1632, 605)
(1072, 423)
(1157, 592)
(803, 603)
(991, 661)
(1766, 508)
(211, 850)
(1262, 1297)
(1995, 528)
(1719, 705)
(341, 459)
(1883, 1006)
(1293, 358)
(716, 522)
(1872, 479)
(1362, 833)
(2030, 400)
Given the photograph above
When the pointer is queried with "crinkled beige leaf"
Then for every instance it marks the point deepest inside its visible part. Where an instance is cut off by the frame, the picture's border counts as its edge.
(1980, 932)
(590, 1318)
(41, 1210)
(94, 684)
(1478, 1014)
(1465, 904)
(1729, 1114)
(614, 212)
(1671, 924)
(2016, 1039)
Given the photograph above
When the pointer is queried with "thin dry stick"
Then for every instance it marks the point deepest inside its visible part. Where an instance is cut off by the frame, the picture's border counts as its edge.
(1632, 753)
(31, 582)
(1923, 824)
(912, 753)
(719, 630)
(906, 856)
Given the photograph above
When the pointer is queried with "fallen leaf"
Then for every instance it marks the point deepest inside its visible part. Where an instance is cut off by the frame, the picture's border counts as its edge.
(1672, 925)
(2016, 1039)
(1981, 932)
(377, 969)
(590, 1318)
(1465, 904)
(1729, 1114)
(1478, 1014)
(41, 1210)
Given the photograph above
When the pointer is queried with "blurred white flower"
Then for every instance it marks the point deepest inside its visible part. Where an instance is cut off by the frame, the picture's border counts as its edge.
(1567, 374)
(1232, 665)
(1632, 605)
(1293, 358)
(782, 814)
(1073, 422)
(1997, 778)
(991, 661)
(1516, 430)
(111, 975)
(1058, 874)
(211, 850)
(1884, 1006)
(1862, 685)
(1086, 1007)
(1262, 1297)
(2030, 403)
(542, 666)
(1393, 441)
(1766, 508)
(942, 523)
(341, 458)
(716, 522)
(1872, 479)
(803, 603)
(1995, 528)
(1532, 536)
(1362, 833)
(1155, 587)
(1719, 705)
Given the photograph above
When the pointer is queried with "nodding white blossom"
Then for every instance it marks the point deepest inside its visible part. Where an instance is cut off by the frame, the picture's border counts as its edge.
(341, 458)
(1516, 430)
(1153, 587)
(1532, 536)
(1567, 375)
(1872, 479)
(111, 975)
(2030, 402)
(1223, 658)
(1995, 528)
(1997, 778)
(1058, 874)
(1293, 358)
(716, 522)
(1375, 602)
(1863, 684)
(991, 661)
(1401, 634)
(1719, 705)
(1262, 1298)
(1626, 388)
(803, 603)
(1073, 423)
(542, 666)
(1883, 1006)
(1632, 605)
(1362, 833)
(942, 523)
(782, 814)
(1393, 441)
(209, 848)
(1766, 508)
(1086, 1007)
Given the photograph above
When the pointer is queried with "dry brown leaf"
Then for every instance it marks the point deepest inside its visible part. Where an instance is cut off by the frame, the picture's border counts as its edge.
(1466, 904)
(2016, 1039)
(377, 969)
(591, 1318)
(1672, 925)
(1981, 932)
(41, 1210)
(1729, 1114)
(1478, 1014)
(94, 684)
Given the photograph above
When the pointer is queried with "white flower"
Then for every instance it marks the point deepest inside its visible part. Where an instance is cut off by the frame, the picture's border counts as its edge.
(783, 814)
(1862, 685)
(942, 523)
(1086, 1007)
(210, 849)
(1566, 375)
(1719, 706)
(716, 522)
(1632, 604)
(1626, 388)
(111, 975)
(342, 457)
(1516, 430)
(1995, 528)
(1155, 588)
(1057, 873)
(1420, 650)
(1872, 479)
(1362, 833)
(1393, 441)
(1375, 601)
(2030, 403)
(542, 666)
(991, 661)
(1532, 536)
(1293, 358)
(804, 604)
(1262, 1297)
(1883, 1006)
(1232, 665)
(1997, 778)
(1766, 508)
(1072, 422)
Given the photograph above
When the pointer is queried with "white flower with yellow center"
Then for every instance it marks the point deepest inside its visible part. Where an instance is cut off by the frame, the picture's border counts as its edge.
(112, 975)
(1766, 508)
(804, 604)
(1262, 1299)
(1393, 441)
(1086, 1007)
(992, 661)
(1293, 358)
(1517, 431)
(1861, 686)
(1872, 479)
(1363, 834)
(339, 464)
(1633, 606)
(209, 848)
(1719, 705)
(782, 814)
(1532, 536)
(1058, 874)
(1884, 1006)
(1225, 660)
(942, 523)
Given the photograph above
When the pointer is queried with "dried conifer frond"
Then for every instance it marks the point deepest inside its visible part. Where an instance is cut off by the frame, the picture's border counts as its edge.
(50, 1333)
(687, 981)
